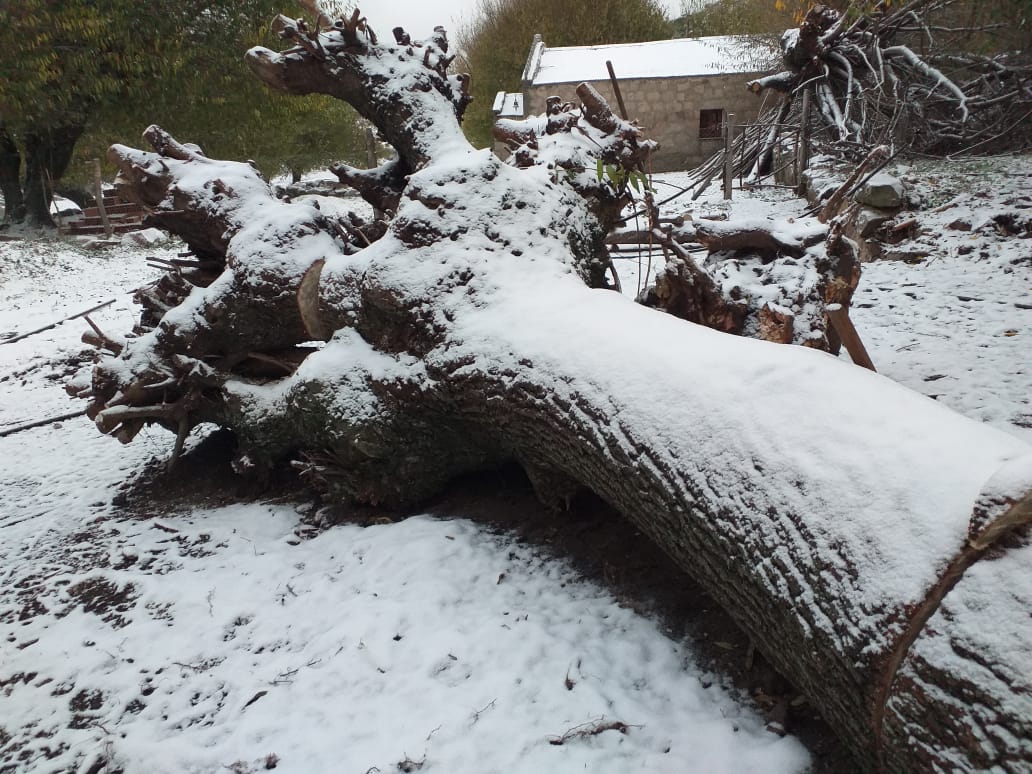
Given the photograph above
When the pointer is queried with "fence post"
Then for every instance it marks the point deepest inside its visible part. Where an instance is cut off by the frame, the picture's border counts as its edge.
(803, 149)
(741, 153)
(98, 192)
(616, 89)
(729, 133)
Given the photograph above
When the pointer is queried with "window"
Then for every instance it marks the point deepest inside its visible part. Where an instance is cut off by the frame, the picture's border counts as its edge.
(711, 124)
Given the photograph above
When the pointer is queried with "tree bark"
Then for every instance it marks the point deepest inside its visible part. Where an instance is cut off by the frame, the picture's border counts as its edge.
(828, 509)
(48, 152)
(10, 178)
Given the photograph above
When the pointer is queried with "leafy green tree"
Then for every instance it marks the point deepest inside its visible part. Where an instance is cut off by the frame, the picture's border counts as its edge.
(58, 62)
(217, 102)
(496, 43)
(983, 26)
(737, 17)
(98, 71)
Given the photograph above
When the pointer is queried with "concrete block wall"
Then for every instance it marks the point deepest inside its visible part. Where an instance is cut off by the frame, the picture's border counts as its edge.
(668, 110)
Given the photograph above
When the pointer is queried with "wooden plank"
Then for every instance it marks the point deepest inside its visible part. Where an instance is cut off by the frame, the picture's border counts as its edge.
(98, 187)
(850, 338)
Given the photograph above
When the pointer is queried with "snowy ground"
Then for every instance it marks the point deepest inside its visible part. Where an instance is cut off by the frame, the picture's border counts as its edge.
(215, 638)
(195, 641)
(956, 326)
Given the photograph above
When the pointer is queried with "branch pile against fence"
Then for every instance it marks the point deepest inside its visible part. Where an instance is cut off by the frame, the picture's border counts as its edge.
(852, 82)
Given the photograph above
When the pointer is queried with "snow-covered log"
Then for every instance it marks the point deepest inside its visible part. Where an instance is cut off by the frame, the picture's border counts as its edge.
(764, 278)
(863, 535)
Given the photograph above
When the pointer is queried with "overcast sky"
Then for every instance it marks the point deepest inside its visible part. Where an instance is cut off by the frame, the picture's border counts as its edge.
(419, 17)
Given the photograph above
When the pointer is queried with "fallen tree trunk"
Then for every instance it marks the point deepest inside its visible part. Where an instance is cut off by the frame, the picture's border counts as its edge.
(828, 509)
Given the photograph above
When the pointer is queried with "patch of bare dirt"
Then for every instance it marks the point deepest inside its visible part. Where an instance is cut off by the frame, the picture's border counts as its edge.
(203, 477)
(103, 598)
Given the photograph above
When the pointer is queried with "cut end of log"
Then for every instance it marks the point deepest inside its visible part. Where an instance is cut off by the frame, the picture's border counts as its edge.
(1004, 505)
(266, 64)
(308, 302)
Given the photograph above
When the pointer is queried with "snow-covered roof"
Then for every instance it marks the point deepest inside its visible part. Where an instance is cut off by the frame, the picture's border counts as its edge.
(508, 104)
(680, 57)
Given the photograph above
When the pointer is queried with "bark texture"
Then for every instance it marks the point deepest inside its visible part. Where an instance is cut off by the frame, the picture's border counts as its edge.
(47, 154)
(10, 183)
(471, 330)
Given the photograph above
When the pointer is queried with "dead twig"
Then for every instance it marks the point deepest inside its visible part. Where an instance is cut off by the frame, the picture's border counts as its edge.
(592, 728)
(477, 713)
(253, 699)
(21, 336)
(202, 667)
(40, 423)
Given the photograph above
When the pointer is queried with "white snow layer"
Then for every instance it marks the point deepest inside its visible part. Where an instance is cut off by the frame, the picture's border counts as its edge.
(680, 57)
(425, 641)
(883, 465)
(226, 606)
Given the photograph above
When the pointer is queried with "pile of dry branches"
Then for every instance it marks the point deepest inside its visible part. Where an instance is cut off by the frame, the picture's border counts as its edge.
(897, 75)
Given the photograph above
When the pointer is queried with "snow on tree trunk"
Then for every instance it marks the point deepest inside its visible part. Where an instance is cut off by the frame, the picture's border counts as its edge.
(828, 509)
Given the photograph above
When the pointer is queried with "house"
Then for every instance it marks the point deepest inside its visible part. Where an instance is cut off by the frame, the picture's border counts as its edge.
(679, 90)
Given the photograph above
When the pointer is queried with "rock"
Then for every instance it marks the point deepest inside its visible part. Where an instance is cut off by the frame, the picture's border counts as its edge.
(65, 208)
(819, 183)
(100, 244)
(868, 221)
(906, 256)
(868, 227)
(882, 191)
(146, 237)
